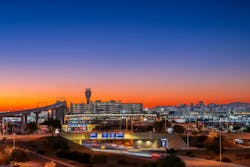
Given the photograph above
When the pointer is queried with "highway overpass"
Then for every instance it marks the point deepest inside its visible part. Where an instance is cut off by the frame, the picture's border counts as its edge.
(56, 111)
(138, 139)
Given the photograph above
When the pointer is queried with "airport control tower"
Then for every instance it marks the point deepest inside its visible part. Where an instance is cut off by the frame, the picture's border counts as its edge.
(88, 95)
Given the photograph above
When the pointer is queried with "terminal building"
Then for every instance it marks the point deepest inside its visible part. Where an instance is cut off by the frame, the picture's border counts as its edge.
(109, 107)
(81, 114)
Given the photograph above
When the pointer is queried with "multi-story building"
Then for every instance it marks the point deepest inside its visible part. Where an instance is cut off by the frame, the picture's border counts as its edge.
(109, 107)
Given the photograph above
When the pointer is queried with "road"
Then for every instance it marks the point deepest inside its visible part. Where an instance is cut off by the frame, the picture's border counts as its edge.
(197, 162)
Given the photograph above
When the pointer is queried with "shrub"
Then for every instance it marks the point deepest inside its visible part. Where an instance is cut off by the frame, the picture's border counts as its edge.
(61, 144)
(225, 159)
(179, 129)
(31, 128)
(200, 145)
(126, 162)
(150, 164)
(171, 151)
(18, 155)
(201, 139)
(171, 161)
(122, 162)
(42, 152)
(57, 143)
(75, 156)
(50, 164)
(20, 164)
(99, 158)
(188, 153)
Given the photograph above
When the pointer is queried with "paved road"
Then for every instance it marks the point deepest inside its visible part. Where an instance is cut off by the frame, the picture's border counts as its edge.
(197, 162)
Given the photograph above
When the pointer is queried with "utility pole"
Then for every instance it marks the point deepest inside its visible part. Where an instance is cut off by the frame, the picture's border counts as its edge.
(14, 137)
(132, 128)
(220, 138)
(126, 124)
(165, 118)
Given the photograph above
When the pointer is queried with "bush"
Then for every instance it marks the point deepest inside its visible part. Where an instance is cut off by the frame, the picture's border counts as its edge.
(99, 158)
(57, 143)
(75, 156)
(18, 155)
(20, 164)
(50, 164)
(201, 139)
(42, 152)
(61, 144)
(31, 128)
(171, 151)
(150, 164)
(188, 153)
(171, 161)
(126, 162)
(179, 129)
(225, 159)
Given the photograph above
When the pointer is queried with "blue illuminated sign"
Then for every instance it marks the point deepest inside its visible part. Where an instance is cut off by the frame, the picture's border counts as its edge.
(105, 135)
(72, 125)
(164, 143)
(112, 135)
(93, 135)
(119, 135)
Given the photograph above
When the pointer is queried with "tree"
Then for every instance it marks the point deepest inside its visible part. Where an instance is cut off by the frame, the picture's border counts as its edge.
(31, 128)
(171, 161)
(214, 146)
(159, 126)
(53, 124)
(179, 129)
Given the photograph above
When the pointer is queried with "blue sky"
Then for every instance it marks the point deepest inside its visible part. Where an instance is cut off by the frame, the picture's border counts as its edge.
(149, 39)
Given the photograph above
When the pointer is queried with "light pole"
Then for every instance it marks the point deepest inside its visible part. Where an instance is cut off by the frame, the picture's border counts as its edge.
(132, 128)
(165, 123)
(49, 114)
(220, 139)
(187, 139)
(14, 137)
(126, 124)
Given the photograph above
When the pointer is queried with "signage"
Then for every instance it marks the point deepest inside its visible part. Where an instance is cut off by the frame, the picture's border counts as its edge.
(72, 125)
(105, 135)
(164, 143)
(112, 135)
(76, 125)
(93, 135)
(119, 135)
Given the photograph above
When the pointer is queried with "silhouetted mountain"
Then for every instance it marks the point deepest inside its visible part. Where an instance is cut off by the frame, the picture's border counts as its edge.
(238, 104)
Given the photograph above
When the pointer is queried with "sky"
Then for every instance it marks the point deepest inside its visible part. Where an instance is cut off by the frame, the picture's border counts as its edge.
(154, 52)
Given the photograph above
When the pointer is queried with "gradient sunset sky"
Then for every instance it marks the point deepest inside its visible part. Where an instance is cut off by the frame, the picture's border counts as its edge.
(154, 52)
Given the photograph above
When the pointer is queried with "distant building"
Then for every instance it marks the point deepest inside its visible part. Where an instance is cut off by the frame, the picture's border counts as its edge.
(88, 95)
(109, 107)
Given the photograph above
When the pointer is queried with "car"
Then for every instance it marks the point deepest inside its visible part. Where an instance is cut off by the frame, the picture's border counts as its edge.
(238, 141)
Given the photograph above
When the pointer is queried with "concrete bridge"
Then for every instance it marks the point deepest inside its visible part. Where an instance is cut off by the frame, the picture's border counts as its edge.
(56, 111)
(138, 139)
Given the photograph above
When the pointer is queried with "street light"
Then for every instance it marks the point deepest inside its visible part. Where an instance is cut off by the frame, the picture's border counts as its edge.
(14, 138)
(165, 123)
(132, 128)
(49, 113)
(220, 139)
(187, 138)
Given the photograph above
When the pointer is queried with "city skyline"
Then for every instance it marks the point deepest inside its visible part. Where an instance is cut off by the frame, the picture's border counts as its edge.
(157, 53)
